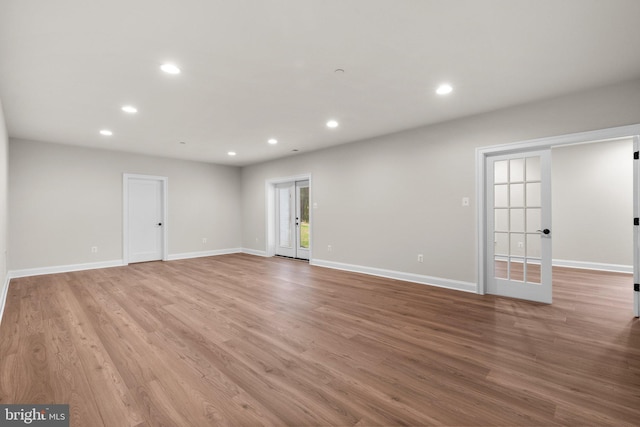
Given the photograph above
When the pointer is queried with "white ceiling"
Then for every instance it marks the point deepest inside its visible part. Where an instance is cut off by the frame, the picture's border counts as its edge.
(259, 69)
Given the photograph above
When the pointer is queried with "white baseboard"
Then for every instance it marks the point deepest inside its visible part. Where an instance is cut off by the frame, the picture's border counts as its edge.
(64, 268)
(254, 252)
(618, 268)
(399, 275)
(115, 263)
(188, 255)
(3, 296)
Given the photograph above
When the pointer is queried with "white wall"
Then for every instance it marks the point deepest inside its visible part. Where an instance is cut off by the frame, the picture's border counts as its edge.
(380, 202)
(64, 199)
(4, 147)
(384, 200)
(593, 203)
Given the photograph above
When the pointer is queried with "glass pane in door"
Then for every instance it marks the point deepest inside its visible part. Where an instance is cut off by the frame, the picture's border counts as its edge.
(501, 268)
(501, 242)
(517, 244)
(533, 246)
(533, 169)
(516, 195)
(533, 194)
(501, 198)
(534, 220)
(304, 217)
(533, 271)
(516, 170)
(501, 222)
(516, 269)
(501, 171)
(284, 200)
(517, 219)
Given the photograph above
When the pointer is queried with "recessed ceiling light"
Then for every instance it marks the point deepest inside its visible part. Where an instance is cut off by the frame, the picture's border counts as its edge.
(272, 141)
(170, 69)
(231, 153)
(444, 89)
(332, 124)
(129, 109)
(106, 132)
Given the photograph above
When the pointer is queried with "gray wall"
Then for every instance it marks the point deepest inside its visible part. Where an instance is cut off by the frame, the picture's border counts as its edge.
(384, 200)
(593, 202)
(63, 200)
(4, 147)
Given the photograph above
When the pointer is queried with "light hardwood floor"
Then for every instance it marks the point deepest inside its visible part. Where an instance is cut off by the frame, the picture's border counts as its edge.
(238, 340)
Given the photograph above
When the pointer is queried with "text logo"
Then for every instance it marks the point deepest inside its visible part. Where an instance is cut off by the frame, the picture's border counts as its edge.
(34, 415)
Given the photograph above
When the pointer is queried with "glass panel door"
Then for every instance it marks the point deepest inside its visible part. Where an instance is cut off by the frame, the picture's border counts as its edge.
(518, 225)
(293, 231)
(285, 234)
(303, 234)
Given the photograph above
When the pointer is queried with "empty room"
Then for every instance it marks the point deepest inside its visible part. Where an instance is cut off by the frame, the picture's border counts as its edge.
(319, 213)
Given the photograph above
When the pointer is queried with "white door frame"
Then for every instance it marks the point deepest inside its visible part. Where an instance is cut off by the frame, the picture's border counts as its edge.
(126, 177)
(537, 144)
(636, 232)
(270, 220)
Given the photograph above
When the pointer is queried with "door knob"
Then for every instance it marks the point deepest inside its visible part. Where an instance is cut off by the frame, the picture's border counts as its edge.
(545, 231)
(159, 223)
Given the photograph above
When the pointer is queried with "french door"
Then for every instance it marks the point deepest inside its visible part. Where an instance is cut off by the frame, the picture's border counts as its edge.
(518, 201)
(292, 219)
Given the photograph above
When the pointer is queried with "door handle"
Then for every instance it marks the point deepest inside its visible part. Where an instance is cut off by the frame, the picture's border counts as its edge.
(545, 231)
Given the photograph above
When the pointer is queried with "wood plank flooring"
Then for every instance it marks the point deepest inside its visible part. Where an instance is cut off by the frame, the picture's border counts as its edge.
(238, 340)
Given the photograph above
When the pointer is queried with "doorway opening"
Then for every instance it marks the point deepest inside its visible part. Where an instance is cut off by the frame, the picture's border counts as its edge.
(289, 222)
(485, 196)
(144, 218)
(592, 188)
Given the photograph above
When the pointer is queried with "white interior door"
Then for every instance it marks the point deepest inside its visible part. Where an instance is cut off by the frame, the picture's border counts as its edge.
(145, 219)
(518, 193)
(292, 219)
(285, 225)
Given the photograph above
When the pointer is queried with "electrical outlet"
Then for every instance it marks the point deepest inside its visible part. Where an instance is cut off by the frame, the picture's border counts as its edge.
(521, 244)
(420, 258)
(204, 240)
(329, 248)
(94, 249)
